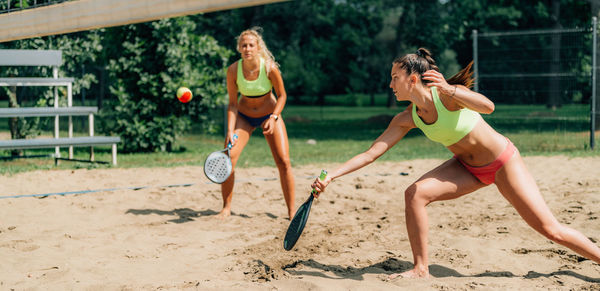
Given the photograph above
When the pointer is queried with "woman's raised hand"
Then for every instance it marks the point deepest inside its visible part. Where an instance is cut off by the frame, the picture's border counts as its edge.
(438, 80)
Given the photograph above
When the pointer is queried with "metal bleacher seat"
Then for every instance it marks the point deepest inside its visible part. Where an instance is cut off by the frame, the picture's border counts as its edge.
(51, 58)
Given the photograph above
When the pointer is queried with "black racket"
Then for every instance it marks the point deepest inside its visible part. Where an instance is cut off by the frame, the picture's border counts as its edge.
(299, 221)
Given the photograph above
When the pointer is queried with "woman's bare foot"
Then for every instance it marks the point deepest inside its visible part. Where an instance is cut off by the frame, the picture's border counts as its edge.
(224, 214)
(291, 214)
(414, 273)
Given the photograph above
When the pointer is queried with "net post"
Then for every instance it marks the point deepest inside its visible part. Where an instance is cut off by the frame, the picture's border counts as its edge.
(594, 69)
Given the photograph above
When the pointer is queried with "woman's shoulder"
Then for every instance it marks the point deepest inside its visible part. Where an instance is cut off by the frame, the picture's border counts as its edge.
(272, 67)
(404, 118)
(234, 65)
(273, 71)
(232, 69)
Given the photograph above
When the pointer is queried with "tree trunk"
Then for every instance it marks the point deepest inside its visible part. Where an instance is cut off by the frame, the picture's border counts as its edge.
(391, 100)
(320, 99)
(554, 80)
(13, 122)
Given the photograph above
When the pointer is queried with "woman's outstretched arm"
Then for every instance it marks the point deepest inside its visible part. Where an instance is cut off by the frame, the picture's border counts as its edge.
(396, 130)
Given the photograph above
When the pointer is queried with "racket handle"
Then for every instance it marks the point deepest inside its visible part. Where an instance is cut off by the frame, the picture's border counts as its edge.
(235, 137)
(322, 177)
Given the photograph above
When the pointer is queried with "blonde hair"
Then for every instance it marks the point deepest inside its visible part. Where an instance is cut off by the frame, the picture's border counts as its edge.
(264, 51)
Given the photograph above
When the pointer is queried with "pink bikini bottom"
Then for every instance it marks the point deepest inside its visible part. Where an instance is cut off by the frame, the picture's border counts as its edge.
(487, 173)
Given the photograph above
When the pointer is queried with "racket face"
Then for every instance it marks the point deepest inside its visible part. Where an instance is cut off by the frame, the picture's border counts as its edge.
(217, 167)
(297, 224)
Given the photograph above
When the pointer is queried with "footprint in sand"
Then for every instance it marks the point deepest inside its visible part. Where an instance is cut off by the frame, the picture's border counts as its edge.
(21, 245)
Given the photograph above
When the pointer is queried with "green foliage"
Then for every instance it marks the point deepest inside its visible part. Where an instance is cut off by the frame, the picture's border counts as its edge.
(326, 48)
(146, 63)
(323, 46)
(339, 47)
(152, 61)
(342, 132)
(502, 15)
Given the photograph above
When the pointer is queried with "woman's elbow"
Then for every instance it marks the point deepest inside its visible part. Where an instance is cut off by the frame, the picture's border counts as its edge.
(282, 97)
(491, 107)
(371, 157)
(488, 108)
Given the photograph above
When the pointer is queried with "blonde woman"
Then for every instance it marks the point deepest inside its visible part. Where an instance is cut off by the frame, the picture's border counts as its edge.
(250, 84)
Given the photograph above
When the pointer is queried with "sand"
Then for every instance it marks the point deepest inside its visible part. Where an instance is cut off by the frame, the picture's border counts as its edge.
(164, 235)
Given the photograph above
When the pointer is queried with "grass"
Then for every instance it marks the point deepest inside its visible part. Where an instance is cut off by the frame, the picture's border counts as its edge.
(341, 132)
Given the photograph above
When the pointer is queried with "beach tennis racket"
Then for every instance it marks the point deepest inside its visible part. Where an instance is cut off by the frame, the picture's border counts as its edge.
(299, 221)
(217, 166)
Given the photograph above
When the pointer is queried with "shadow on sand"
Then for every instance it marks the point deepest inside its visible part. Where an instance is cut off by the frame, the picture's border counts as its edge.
(393, 265)
(184, 214)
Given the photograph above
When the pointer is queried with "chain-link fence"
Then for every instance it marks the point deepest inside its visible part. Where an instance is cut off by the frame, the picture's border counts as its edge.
(548, 70)
(7, 6)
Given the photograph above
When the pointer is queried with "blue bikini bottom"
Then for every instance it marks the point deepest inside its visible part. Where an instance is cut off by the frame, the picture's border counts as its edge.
(254, 121)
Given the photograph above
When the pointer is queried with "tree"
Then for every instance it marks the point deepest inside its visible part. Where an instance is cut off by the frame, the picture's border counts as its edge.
(502, 15)
(554, 82)
(323, 46)
(595, 10)
(147, 63)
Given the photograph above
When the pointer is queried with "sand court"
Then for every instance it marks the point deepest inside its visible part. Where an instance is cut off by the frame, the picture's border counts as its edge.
(157, 230)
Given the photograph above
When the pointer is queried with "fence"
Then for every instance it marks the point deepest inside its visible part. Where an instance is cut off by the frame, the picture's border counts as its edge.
(553, 67)
(7, 6)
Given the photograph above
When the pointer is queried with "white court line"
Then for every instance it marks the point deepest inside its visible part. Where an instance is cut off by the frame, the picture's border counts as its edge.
(159, 186)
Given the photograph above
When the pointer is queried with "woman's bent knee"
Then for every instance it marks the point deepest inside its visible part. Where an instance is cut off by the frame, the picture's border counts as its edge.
(410, 193)
(413, 196)
(284, 164)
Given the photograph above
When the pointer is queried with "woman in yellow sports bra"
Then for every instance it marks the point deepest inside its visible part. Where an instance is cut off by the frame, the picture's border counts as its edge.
(253, 77)
(448, 112)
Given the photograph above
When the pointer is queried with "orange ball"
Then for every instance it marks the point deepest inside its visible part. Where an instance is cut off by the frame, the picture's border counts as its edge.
(184, 94)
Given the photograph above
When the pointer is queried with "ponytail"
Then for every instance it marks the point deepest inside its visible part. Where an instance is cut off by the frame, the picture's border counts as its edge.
(422, 61)
(463, 77)
(426, 54)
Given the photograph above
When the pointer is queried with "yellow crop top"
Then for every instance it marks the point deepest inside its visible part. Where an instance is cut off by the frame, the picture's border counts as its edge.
(255, 88)
(451, 126)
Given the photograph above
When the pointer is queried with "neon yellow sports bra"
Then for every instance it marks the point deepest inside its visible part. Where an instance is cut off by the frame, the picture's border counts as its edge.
(451, 126)
(255, 88)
